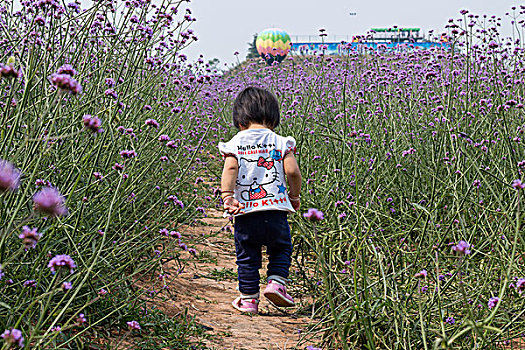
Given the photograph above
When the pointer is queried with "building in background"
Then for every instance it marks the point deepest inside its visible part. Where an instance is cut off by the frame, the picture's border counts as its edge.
(381, 39)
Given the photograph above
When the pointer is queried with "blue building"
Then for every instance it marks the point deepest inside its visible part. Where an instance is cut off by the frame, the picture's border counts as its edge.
(382, 39)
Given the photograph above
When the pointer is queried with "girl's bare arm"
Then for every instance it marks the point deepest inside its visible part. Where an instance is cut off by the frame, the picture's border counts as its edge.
(228, 179)
(293, 175)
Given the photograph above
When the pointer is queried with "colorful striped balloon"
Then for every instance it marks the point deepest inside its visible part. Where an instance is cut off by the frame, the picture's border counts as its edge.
(273, 44)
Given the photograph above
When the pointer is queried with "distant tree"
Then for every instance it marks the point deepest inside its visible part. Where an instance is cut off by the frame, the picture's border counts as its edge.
(252, 48)
(214, 63)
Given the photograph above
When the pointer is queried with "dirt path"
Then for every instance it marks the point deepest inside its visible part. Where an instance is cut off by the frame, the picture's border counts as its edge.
(207, 286)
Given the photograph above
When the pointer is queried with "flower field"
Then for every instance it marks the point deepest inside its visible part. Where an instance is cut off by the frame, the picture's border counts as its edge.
(97, 165)
(415, 159)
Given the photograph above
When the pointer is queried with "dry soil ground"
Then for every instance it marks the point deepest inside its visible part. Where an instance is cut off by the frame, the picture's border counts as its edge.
(207, 286)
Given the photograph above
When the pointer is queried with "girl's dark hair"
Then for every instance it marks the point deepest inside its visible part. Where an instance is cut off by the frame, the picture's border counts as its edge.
(254, 105)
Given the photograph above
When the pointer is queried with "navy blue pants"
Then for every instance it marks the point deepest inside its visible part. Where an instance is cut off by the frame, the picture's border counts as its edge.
(252, 231)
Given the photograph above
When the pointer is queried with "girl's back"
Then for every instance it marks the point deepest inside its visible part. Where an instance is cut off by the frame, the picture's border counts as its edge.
(261, 182)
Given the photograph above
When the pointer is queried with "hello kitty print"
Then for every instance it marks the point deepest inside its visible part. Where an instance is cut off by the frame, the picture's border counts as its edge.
(261, 182)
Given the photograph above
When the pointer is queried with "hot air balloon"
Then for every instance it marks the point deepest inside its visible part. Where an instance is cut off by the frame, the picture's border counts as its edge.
(273, 44)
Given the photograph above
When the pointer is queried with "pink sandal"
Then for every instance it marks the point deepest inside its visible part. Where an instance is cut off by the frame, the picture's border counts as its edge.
(276, 293)
(246, 305)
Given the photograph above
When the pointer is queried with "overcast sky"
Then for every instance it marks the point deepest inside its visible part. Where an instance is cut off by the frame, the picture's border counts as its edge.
(226, 26)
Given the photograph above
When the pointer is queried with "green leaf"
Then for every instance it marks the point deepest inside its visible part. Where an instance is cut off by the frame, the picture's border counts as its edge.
(421, 208)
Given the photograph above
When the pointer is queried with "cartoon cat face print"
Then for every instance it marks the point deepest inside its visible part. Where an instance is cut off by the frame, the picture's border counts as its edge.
(254, 184)
(271, 174)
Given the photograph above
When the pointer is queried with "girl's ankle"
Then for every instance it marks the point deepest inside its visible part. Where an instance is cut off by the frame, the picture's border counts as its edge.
(277, 279)
(250, 296)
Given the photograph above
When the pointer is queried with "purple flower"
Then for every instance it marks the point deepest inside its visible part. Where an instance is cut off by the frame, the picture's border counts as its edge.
(476, 183)
(81, 319)
(493, 301)
(462, 248)
(430, 74)
(164, 138)
(49, 201)
(450, 320)
(102, 291)
(493, 44)
(518, 185)
(8, 71)
(128, 154)
(66, 286)
(314, 215)
(65, 83)
(13, 336)
(310, 347)
(62, 260)
(111, 92)
(67, 69)
(92, 123)
(198, 180)
(409, 151)
(110, 82)
(2, 274)
(133, 325)
(421, 274)
(118, 167)
(30, 283)
(41, 182)
(29, 237)
(39, 20)
(152, 122)
(76, 7)
(9, 176)
(520, 285)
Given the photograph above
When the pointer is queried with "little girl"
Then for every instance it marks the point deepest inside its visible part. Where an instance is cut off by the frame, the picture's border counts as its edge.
(253, 187)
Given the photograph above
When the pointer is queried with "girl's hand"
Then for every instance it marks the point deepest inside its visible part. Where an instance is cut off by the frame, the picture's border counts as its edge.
(296, 204)
(232, 205)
